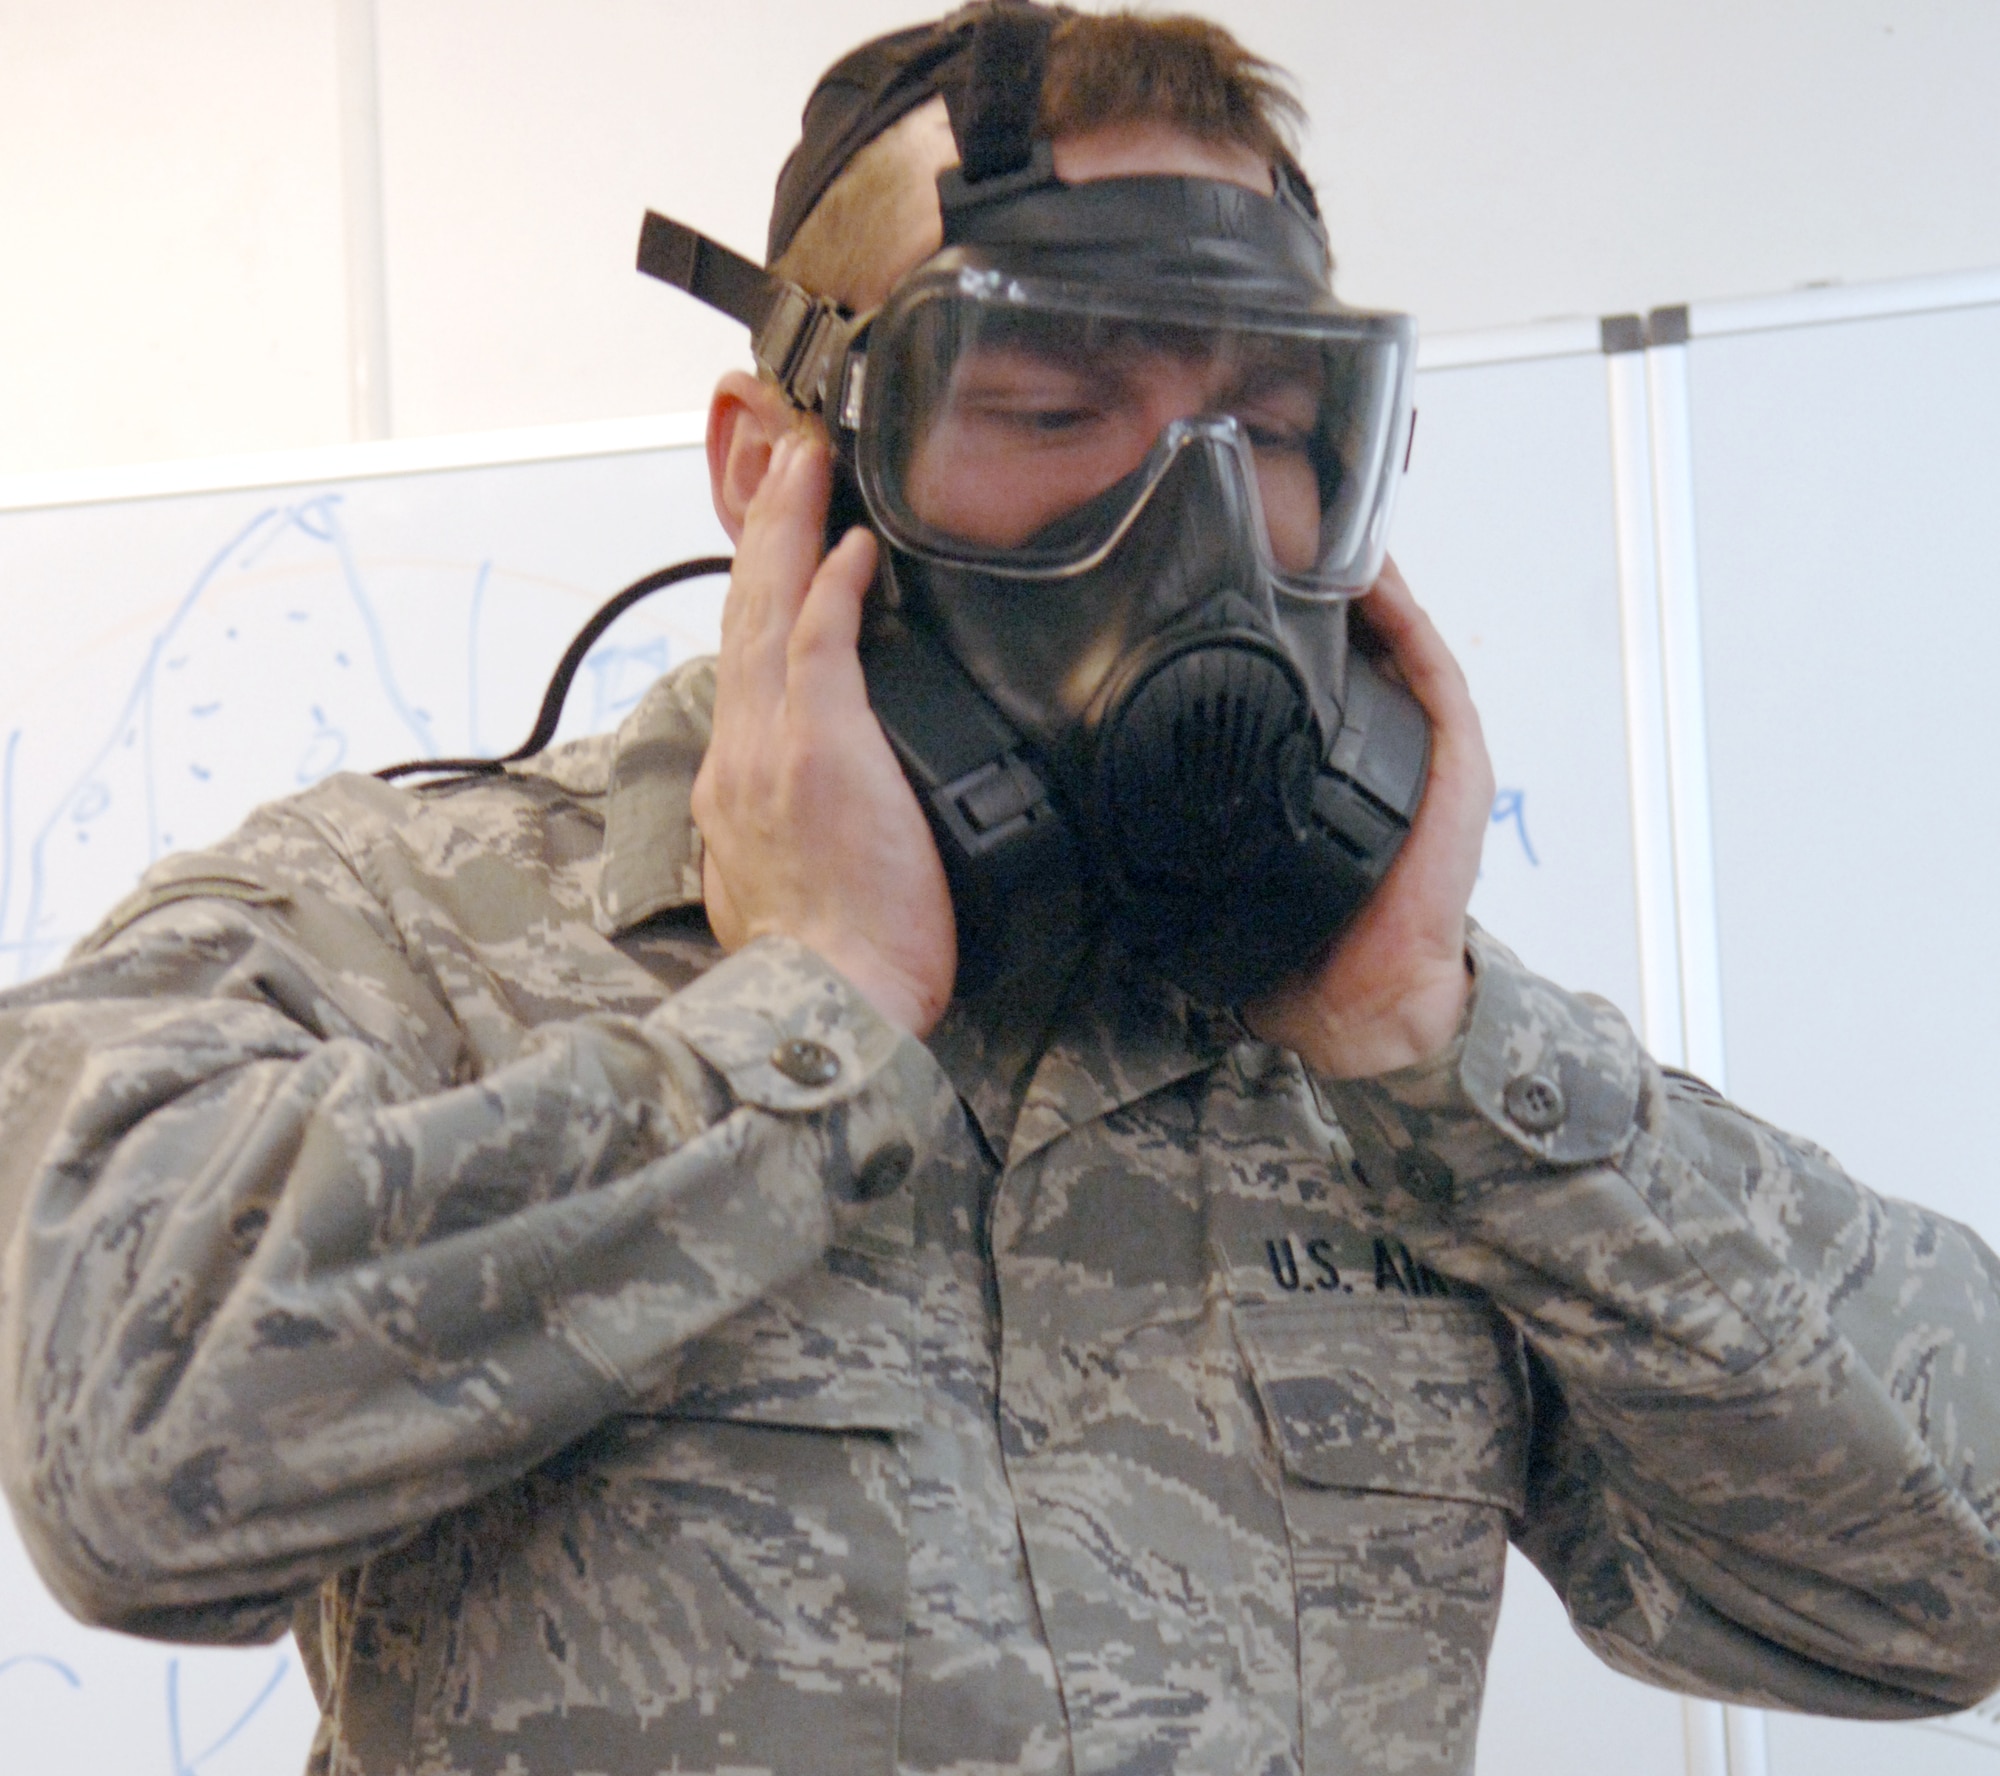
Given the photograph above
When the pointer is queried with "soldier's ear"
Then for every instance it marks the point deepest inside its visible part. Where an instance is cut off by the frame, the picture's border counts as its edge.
(746, 418)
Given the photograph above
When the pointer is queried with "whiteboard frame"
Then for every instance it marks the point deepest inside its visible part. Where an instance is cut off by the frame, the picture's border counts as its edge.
(1821, 305)
(351, 462)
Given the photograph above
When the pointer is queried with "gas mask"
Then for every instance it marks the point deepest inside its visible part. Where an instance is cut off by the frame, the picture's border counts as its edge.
(1128, 460)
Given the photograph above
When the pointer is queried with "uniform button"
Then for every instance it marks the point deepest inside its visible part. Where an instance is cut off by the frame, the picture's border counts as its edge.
(1535, 1102)
(884, 1171)
(806, 1062)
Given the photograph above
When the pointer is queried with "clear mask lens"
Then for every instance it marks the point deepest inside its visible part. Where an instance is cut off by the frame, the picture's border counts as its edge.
(1019, 427)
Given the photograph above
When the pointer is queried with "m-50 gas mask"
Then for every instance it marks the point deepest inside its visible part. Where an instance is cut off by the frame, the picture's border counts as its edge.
(1129, 460)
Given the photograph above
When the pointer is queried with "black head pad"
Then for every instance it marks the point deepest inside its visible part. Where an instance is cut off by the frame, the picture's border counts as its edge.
(877, 85)
(987, 60)
(997, 99)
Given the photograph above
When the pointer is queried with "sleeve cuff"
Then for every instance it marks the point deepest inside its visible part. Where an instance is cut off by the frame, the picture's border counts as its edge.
(1536, 1077)
(783, 1028)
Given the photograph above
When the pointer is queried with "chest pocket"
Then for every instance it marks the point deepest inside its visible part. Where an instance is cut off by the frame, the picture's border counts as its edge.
(1400, 1426)
(716, 1580)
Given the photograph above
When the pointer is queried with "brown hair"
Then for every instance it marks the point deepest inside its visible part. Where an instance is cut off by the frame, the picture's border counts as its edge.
(1124, 67)
(1103, 69)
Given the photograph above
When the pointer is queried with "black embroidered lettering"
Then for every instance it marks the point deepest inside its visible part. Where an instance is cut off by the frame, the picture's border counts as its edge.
(1386, 1275)
(1413, 1282)
(1320, 1251)
(1284, 1262)
(1396, 1269)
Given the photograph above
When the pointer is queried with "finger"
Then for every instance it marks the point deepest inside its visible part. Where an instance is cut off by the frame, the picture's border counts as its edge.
(1419, 652)
(749, 575)
(783, 535)
(823, 655)
(746, 578)
(1451, 820)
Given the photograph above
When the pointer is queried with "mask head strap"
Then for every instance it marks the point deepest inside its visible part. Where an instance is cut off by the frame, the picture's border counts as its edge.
(993, 109)
(798, 339)
(995, 106)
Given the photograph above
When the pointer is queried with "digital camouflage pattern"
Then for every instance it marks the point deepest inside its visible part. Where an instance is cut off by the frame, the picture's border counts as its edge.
(609, 1358)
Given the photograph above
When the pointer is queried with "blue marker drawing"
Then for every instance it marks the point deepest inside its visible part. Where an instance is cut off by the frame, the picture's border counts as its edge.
(135, 733)
(43, 1662)
(325, 511)
(285, 655)
(324, 753)
(1511, 805)
(475, 747)
(619, 677)
(7, 825)
(182, 1765)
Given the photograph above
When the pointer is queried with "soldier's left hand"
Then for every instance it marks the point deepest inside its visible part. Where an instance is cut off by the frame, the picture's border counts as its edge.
(1393, 987)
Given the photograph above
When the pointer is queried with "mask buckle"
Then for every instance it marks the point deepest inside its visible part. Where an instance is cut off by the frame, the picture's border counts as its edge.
(797, 338)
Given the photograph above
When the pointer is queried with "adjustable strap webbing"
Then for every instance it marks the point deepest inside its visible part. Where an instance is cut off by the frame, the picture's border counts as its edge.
(706, 270)
(993, 111)
(799, 338)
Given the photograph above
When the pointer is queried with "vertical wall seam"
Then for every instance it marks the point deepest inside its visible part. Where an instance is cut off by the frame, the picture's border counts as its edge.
(1746, 1741)
(1673, 834)
(359, 81)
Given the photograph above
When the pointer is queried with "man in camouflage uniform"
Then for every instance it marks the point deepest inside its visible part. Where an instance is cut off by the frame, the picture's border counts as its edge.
(592, 1283)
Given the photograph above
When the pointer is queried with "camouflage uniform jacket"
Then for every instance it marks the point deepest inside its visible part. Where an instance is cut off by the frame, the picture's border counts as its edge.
(612, 1358)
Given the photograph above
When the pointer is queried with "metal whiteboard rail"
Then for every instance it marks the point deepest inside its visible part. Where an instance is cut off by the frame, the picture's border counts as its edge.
(350, 462)
(1827, 303)
(1667, 758)
(1646, 733)
(1508, 345)
(1672, 456)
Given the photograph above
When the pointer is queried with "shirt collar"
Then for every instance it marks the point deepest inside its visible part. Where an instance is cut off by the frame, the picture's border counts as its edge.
(1123, 1034)
(652, 852)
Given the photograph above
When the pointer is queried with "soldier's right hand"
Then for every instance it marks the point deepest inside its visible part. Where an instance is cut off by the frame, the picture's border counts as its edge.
(809, 828)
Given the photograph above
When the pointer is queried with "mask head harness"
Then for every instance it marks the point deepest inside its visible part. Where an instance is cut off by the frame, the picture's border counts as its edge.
(1129, 459)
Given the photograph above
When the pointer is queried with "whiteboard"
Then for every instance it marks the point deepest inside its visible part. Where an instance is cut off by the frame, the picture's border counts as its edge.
(1849, 549)
(177, 660)
(189, 643)
(1504, 531)
(1848, 553)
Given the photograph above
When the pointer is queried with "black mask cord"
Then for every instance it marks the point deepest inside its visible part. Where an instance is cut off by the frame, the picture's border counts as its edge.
(566, 670)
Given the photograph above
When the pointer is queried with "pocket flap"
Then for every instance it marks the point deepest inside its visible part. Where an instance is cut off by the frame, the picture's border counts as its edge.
(195, 875)
(831, 1350)
(1386, 1394)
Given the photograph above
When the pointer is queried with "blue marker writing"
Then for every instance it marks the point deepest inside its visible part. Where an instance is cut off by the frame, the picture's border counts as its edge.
(1512, 805)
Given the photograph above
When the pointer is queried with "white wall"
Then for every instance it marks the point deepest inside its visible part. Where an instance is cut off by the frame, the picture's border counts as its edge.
(172, 273)
(170, 252)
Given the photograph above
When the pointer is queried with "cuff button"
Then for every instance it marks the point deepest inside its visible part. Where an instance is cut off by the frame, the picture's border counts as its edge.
(806, 1062)
(1534, 1103)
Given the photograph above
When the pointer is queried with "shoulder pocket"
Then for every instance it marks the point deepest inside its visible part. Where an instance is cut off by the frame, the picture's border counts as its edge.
(190, 877)
(1387, 1394)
